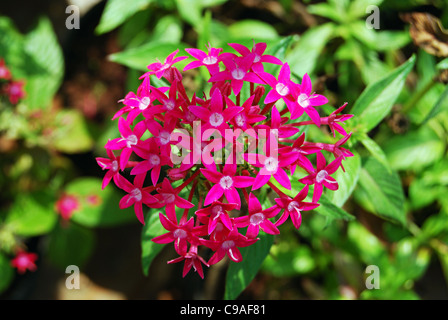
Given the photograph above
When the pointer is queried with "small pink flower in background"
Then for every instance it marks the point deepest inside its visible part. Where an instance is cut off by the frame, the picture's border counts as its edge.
(4, 71)
(66, 205)
(24, 261)
(15, 91)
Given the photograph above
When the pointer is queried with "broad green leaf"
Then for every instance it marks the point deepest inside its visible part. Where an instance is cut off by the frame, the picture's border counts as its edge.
(11, 47)
(304, 55)
(375, 150)
(368, 246)
(150, 249)
(347, 180)
(97, 207)
(443, 64)
(71, 133)
(410, 260)
(239, 275)
(44, 67)
(331, 211)
(325, 10)
(252, 29)
(414, 150)
(6, 273)
(32, 214)
(385, 195)
(190, 11)
(440, 106)
(376, 101)
(139, 58)
(278, 50)
(285, 260)
(70, 245)
(117, 11)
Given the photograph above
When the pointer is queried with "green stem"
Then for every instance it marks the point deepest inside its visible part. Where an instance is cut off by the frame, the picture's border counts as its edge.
(416, 98)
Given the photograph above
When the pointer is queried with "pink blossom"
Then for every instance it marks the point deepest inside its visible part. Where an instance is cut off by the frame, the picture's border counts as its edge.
(66, 205)
(4, 71)
(14, 90)
(24, 261)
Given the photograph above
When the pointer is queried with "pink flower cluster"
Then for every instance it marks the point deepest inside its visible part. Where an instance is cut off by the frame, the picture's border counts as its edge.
(11, 88)
(243, 99)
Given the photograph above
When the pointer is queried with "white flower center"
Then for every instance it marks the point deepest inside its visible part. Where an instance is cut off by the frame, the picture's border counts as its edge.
(209, 60)
(131, 140)
(216, 119)
(190, 116)
(226, 182)
(303, 100)
(168, 197)
(240, 120)
(164, 137)
(114, 166)
(271, 164)
(282, 89)
(293, 205)
(228, 244)
(257, 58)
(321, 175)
(216, 209)
(180, 234)
(144, 103)
(154, 159)
(238, 74)
(257, 218)
(136, 194)
(169, 105)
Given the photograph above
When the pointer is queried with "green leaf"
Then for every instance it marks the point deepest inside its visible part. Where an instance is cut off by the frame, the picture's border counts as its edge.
(32, 214)
(284, 260)
(385, 195)
(139, 58)
(152, 228)
(347, 180)
(414, 150)
(440, 106)
(70, 245)
(98, 208)
(6, 273)
(304, 55)
(278, 50)
(252, 29)
(117, 11)
(376, 101)
(331, 211)
(44, 67)
(374, 149)
(71, 133)
(239, 275)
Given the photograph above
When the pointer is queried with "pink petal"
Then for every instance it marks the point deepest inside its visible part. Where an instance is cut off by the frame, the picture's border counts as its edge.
(214, 194)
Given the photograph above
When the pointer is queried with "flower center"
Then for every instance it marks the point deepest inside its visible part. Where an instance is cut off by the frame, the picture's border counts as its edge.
(226, 182)
(136, 194)
(216, 209)
(190, 116)
(168, 197)
(238, 74)
(131, 140)
(228, 244)
(240, 120)
(257, 218)
(216, 119)
(321, 175)
(209, 60)
(271, 164)
(154, 159)
(164, 137)
(169, 105)
(114, 166)
(144, 103)
(179, 234)
(293, 205)
(257, 58)
(282, 89)
(303, 100)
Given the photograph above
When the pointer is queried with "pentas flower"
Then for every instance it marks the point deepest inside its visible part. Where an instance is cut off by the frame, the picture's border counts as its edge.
(15, 91)
(24, 261)
(4, 71)
(66, 205)
(321, 176)
(210, 59)
(306, 101)
(214, 151)
(226, 183)
(258, 219)
(293, 207)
